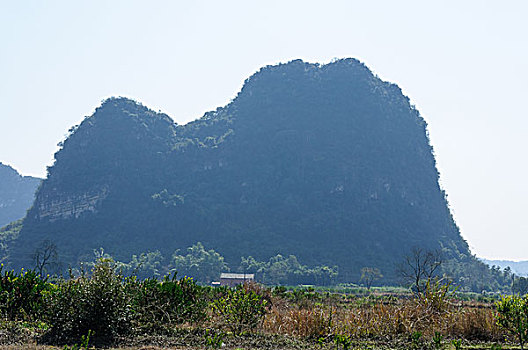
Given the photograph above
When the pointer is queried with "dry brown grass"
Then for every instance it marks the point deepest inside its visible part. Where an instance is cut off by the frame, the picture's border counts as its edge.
(382, 319)
(378, 319)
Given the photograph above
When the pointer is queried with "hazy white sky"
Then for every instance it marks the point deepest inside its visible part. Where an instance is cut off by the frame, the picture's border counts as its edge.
(464, 64)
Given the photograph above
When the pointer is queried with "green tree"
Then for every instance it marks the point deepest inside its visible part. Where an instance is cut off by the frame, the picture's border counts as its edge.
(280, 270)
(369, 275)
(203, 265)
(98, 256)
(146, 265)
(520, 286)
(241, 309)
(323, 275)
(512, 315)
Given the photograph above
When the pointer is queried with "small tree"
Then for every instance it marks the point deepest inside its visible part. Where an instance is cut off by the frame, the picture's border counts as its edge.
(419, 269)
(520, 286)
(46, 258)
(203, 265)
(512, 315)
(146, 265)
(369, 275)
(241, 309)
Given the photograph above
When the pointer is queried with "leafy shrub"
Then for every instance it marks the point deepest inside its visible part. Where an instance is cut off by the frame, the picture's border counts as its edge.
(97, 304)
(85, 340)
(436, 296)
(344, 340)
(279, 291)
(512, 315)
(160, 305)
(240, 309)
(21, 294)
(437, 340)
(416, 339)
(214, 338)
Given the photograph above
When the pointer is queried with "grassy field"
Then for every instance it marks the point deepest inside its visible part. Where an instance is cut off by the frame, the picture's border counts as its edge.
(309, 319)
(107, 310)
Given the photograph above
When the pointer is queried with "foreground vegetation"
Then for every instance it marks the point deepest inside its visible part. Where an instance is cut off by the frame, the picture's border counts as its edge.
(103, 308)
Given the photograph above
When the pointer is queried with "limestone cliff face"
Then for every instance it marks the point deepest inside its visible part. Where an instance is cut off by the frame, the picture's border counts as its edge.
(326, 162)
(56, 207)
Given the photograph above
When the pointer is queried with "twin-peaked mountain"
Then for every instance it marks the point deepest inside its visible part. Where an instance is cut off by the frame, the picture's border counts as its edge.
(325, 162)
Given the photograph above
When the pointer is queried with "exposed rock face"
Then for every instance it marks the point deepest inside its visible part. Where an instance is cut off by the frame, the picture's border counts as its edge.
(16, 194)
(69, 207)
(326, 162)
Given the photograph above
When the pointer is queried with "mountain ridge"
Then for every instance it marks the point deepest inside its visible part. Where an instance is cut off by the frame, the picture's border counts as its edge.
(520, 268)
(16, 194)
(327, 162)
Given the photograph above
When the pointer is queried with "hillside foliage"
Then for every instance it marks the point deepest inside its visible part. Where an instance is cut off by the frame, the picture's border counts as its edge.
(16, 194)
(327, 163)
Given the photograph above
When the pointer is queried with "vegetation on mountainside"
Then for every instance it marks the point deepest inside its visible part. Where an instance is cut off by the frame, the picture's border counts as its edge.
(327, 163)
(16, 194)
(8, 234)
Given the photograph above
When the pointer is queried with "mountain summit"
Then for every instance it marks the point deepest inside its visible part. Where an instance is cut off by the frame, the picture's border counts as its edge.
(326, 162)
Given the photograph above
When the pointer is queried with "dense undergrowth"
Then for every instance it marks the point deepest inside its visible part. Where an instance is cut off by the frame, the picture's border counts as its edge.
(116, 309)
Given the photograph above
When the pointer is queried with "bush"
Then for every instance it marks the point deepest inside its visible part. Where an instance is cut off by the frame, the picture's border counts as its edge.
(436, 296)
(512, 315)
(97, 303)
(21, 295)
(160, 305)
(240, 309)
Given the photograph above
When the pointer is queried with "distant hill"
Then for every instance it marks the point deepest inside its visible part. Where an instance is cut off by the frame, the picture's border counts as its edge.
(16, 194)
(326, 162)
(520, 268)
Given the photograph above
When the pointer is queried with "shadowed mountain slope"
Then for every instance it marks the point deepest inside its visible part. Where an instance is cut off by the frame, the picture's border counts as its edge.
(326, 162)
(16, 194)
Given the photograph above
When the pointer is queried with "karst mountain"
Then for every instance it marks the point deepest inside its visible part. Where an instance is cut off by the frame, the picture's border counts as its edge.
(325, 162)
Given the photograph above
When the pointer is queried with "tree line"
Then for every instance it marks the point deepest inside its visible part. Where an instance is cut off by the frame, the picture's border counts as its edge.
(203, 265)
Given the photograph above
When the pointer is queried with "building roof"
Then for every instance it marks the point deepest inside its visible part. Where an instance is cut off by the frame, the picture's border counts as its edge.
(247, 276)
